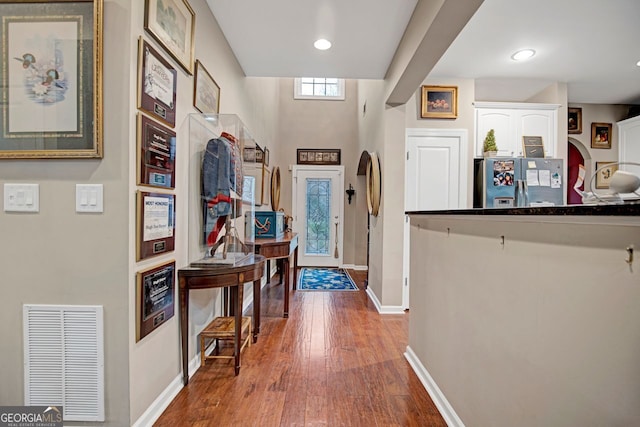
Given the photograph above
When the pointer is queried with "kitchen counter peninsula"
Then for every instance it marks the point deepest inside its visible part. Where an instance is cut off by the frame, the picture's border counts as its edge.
(528, 316)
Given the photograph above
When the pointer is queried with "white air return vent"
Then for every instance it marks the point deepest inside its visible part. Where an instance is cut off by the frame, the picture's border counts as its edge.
(64, 359)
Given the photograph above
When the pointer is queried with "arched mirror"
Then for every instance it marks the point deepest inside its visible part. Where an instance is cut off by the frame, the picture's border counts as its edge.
(373, 184)
(275, 188)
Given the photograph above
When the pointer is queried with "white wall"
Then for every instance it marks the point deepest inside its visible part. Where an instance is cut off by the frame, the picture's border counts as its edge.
(322, 124)
(539, 332)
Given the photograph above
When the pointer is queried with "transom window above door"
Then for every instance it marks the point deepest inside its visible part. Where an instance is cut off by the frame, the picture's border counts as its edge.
(319, 88)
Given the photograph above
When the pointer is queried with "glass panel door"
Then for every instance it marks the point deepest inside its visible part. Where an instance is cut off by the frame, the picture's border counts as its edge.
(317, 213)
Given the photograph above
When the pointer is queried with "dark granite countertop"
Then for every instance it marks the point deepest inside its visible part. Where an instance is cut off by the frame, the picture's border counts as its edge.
(626, 209)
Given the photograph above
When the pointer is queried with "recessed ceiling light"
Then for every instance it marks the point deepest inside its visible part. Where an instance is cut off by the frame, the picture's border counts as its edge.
(322, 44)
(638, 63)
(523, 54)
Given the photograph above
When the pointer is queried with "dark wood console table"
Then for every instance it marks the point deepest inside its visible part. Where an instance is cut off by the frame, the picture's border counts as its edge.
(281, 248)
(220, 276)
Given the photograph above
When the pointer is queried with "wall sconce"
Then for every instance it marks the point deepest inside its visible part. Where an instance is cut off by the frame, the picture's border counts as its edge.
(350, 192)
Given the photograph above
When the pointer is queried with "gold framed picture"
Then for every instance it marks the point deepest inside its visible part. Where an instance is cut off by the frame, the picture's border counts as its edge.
(574, 120)
(604, 172)
(439, 102)
(206, 92)
(172, 24)
(601, 135)
(51, 81)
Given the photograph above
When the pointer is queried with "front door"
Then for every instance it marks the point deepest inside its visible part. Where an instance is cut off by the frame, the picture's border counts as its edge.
(318, 201)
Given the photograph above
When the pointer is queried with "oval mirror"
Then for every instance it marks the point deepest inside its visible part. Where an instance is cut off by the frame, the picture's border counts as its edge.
(275, 189)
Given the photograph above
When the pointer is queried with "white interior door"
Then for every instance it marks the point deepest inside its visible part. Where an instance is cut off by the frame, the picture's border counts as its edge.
(318, 202)
(435, 178)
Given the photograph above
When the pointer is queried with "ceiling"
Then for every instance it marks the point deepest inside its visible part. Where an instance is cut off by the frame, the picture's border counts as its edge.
(589, 44)
(275, 38)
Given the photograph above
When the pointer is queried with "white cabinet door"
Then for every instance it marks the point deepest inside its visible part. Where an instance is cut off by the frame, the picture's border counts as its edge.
(512, 121)
(629, 143)
(538, 123)
(502, 122)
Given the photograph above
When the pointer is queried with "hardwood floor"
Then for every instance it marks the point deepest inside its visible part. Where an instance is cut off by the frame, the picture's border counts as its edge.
(334, 362)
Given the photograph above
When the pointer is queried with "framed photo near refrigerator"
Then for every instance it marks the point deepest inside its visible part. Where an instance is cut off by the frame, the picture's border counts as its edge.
(51, 80)
(155, 224)
(605, 173)
(156, 154)
(157, 83)
(533, 147)
(155, 295)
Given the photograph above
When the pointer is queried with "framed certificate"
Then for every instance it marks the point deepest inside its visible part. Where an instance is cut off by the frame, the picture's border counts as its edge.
(157, 82)
(155, 224)
(156, 154)
(155, 294)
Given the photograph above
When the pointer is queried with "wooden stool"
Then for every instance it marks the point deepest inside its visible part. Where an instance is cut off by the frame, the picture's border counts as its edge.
(223, 328)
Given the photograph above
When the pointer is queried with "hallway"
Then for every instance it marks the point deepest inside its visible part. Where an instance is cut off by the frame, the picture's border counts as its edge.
(334, 362)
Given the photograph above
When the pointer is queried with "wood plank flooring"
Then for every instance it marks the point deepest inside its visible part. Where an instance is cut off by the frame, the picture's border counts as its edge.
(334, 362)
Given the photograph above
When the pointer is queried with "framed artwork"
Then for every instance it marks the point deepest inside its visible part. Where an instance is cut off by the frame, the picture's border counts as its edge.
(601, 135)
(51, 86)
(155, 224)
(533, 146)
(604, 172)
(249, 154)
(259, 154)
(172, 24)
(157, 83)
(156, 288)
(156, 154)
(574, 124)
(439, 102)
(206, 92)
(314, 156)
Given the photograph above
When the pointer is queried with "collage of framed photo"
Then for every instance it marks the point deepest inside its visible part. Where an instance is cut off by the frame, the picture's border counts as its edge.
(51, 80)
(315, 156)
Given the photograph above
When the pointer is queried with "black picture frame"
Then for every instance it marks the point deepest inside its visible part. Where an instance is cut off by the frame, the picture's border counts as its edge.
(533, 147)
(155, 295)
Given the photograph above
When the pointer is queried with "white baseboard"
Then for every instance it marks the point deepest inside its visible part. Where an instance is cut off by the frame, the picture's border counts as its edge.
(384, 309)
(355, 267)
(446, 410)
(158, 406)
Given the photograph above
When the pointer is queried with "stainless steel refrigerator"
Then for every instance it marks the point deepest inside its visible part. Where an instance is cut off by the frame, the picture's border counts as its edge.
(512, 182)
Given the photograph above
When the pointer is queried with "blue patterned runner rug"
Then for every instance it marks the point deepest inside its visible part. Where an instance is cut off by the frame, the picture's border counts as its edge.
(325, 279)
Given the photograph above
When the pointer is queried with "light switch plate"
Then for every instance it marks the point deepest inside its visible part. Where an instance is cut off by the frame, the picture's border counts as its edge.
(22, 197)
(89, 198)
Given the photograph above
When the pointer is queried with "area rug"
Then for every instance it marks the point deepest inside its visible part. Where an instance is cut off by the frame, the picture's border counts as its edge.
(325, 279)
